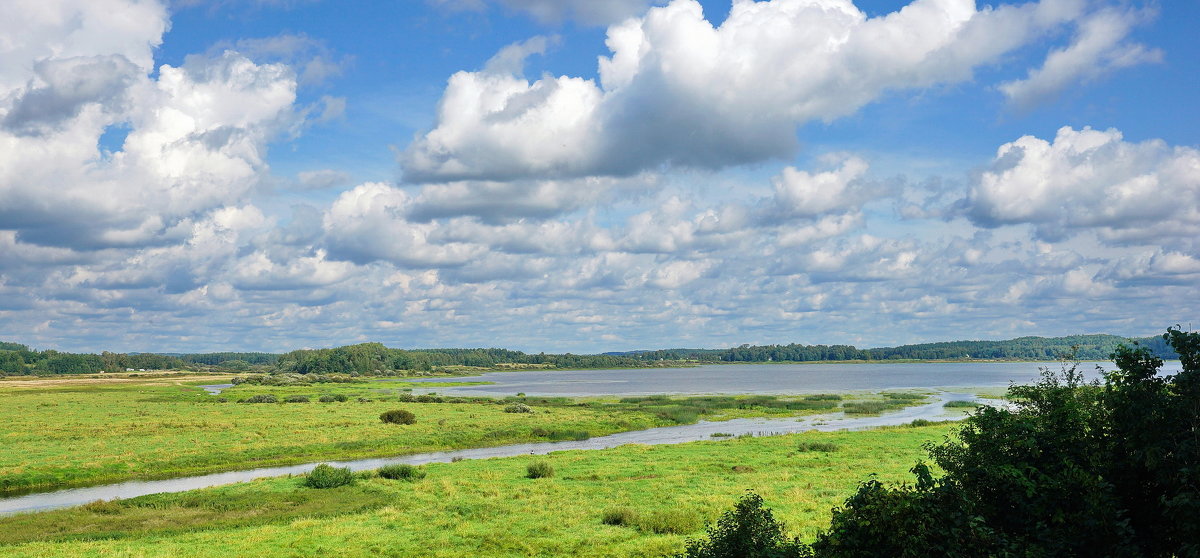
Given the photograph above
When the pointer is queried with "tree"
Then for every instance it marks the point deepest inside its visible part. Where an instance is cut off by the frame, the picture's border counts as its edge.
(1076, 469)
(747, 531)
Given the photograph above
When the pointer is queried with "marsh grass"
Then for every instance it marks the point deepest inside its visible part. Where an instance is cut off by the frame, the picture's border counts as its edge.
(481, 508)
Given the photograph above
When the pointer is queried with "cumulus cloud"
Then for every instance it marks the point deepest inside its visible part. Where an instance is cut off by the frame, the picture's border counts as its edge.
(678, 91)
(1099, 47)
(1092, 180)
(367, 223)
(197, 134)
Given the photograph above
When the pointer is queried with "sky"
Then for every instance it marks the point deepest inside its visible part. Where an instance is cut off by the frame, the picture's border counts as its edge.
(586, 176)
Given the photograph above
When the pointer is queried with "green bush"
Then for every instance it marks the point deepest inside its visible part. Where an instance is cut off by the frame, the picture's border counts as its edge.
(296, 399)
(1075, 468)
(518, 408)
(961, 404)
(747, 531)
(817, 446)
(327, 476)
(260, 398)
(618, 517)
(920, 422)
(401, 472)
(539, 470)
(327, 399)
(398, 416)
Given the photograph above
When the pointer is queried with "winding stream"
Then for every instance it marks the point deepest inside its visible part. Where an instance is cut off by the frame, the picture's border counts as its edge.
(702, 430)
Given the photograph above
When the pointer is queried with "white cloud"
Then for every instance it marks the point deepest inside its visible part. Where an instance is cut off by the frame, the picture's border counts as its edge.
(367, 223)
(799, 194)
(196, 138)
(1087, 179)
(678, 91)
(1098, 49)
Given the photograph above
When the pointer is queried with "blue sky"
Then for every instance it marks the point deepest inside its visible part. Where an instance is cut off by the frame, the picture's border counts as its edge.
(569, 175)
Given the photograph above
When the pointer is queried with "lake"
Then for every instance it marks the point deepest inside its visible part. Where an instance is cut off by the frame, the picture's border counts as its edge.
(759, 378)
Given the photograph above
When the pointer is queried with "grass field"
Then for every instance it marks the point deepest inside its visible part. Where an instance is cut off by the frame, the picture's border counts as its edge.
(91, 431)
(663, 494)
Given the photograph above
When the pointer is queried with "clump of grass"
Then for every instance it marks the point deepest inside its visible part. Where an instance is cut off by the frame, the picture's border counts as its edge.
(539, 470)
(518, 408)
(332, 398)
(296, 399)
(742, 469)
(260, 398)
(824, 447)
(618, 517)
(669, 522)
(328, 476)
(401, 472)
(720, 435)
(398, 416)
(865, 407)
(920, 422)
(961, 404)
(104, 507)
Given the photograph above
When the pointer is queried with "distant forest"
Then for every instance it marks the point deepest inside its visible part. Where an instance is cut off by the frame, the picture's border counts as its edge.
(376, 359)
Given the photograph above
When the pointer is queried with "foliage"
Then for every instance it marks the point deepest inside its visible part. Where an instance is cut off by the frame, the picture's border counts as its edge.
(518, 408)
(816, 446)
(539, 470)
(1076, 469)
(618, 516)
(328, 476)
(260, 398)
(747, 531)
(402, 472)
(398, 416)
(672, 521)
(296, 399)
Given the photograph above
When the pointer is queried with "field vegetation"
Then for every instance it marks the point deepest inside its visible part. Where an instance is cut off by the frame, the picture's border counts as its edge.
(629, 501)
(75, 434)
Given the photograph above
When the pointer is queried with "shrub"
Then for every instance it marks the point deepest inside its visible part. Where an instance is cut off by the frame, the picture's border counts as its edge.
(618, 517)
(539, 470)
(518, 408)
(327, 476)
(296, 399)
(961, 404)
(920, 422)
(817, 446)
(401, 472)
(327, 399)
(747, 531)
(260, 398)
(398, 416)
(669, 522)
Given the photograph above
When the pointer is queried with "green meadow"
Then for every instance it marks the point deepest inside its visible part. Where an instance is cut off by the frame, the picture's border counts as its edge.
(60, 434)
(629, 501)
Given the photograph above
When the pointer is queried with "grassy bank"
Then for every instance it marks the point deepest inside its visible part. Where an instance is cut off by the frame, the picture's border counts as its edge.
(658, 494)
(75, 434)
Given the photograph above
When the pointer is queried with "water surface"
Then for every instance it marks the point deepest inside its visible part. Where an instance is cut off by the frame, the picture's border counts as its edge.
(760, 378)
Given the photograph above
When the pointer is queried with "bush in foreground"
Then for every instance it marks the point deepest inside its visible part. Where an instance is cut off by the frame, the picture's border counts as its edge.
(749, 530)
(398, 416)
(539, 470)
(401, 472)
(327, 476)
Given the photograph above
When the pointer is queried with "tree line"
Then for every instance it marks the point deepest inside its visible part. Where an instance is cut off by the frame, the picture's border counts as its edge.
(375, 358)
